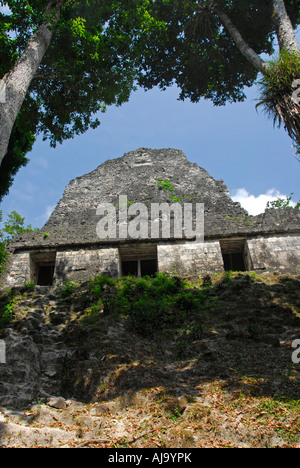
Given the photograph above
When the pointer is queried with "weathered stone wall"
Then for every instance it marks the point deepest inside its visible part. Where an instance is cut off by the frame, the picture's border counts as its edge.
(19, 270)
(276, 253)
(190, 258)
(71, 265)
(83, 264)
(266, 253)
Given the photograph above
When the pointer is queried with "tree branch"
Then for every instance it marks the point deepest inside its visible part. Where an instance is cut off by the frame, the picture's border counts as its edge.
(242, 45)
(244, 48)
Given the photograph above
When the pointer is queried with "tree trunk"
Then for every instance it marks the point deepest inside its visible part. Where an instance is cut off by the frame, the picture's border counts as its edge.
(287, 107)
(18, 80)
(285, 32)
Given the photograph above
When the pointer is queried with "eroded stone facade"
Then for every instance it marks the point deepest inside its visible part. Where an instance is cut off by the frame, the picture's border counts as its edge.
(71, 250)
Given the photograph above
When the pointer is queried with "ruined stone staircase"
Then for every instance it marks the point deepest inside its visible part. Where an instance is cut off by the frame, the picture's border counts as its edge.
(34, 348)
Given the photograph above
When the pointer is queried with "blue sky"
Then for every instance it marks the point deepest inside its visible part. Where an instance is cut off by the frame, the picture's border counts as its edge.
(234, 143)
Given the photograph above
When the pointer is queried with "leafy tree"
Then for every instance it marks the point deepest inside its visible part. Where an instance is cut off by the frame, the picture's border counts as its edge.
(212, 49)
(62, 61)
(13, 226)
(282, 203)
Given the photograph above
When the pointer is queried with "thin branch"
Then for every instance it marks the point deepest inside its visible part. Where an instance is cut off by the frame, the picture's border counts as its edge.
(242, 45)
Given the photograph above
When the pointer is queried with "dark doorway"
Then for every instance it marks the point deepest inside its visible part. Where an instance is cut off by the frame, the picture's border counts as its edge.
(45, 275)
(130, 268)
(43, 267)
(234, 254)
(234, 262)
(148, 267)
(139, 268)
(139, 260)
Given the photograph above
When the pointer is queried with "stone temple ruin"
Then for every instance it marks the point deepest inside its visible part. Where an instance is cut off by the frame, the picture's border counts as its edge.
(69, 248)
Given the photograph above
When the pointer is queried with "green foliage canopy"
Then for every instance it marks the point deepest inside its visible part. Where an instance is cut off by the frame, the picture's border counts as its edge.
(13, 226)
(198, 53)
(91, 63)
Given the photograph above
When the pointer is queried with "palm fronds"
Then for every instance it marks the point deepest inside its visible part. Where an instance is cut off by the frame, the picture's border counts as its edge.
(276, 91)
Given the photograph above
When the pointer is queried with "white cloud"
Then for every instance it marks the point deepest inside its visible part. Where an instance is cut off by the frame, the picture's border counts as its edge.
(49, 211)
(25, 193)
(42, 162)
(39, 221)
(256, 205)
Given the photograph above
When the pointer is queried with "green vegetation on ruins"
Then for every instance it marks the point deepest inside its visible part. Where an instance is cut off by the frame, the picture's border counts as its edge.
(177, 362)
